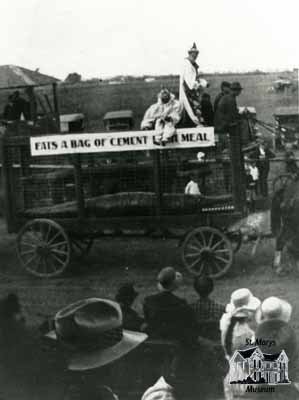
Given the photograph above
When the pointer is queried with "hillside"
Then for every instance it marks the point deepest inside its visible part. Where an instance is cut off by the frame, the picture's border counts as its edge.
(95, 99)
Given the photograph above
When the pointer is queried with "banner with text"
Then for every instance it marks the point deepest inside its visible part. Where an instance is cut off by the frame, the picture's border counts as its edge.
(77, 143)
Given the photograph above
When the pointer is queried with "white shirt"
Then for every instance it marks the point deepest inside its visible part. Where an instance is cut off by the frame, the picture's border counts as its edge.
(192, 188)
(254, 172)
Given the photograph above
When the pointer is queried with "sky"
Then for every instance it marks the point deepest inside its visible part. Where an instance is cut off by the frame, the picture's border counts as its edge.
(103, 38)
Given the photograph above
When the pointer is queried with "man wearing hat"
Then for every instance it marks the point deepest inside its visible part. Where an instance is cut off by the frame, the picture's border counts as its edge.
(168, 316)
(227, 113)
(191, 87)
(92, 329)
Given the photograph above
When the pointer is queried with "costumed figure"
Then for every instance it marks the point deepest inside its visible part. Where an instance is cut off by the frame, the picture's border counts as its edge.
(163, 116)
(191, 87)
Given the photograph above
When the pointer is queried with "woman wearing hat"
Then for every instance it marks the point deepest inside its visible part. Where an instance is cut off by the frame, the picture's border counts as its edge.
(273, 317)
(236, 327)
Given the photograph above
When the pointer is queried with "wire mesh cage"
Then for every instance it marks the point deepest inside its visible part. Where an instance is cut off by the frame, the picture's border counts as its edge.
(116, 184)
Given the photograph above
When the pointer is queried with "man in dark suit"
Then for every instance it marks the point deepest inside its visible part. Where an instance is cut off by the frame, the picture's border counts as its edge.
(227, 114)
(225, 89)
(261, 155)
(168, 316)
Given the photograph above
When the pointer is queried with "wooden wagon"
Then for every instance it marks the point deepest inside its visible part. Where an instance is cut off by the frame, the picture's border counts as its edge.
(64, 191)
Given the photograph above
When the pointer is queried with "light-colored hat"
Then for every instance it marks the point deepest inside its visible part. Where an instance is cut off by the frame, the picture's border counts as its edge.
(92, 329)
(169, 279)
(274, 308)
(193, 49)
(160, 391)
(242, 301)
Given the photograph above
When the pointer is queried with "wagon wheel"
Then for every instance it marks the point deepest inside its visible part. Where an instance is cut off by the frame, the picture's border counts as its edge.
(43, 248)
(207, 250)
(81, 247)
(281, 181)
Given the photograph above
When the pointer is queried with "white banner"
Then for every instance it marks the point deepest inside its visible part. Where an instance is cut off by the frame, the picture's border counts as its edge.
(119, 141)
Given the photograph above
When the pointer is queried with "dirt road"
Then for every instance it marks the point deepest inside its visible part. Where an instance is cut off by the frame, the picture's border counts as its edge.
(114, 260)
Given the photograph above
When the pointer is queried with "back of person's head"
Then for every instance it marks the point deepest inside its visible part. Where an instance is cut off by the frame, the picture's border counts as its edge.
(203, 285)
(206, 96)
(126, 294)
(10, 306)
(282, 336)
(225, 85)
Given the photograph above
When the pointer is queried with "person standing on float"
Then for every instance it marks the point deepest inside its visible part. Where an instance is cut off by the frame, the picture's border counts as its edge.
(190, 88)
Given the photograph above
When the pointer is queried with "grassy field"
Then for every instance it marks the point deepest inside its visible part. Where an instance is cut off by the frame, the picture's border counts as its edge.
(95, 99)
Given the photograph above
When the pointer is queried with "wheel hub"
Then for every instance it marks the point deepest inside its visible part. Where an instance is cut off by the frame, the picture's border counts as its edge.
(206, 254)
(42, 250)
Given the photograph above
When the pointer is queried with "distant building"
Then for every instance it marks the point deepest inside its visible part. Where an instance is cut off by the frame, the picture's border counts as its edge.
(259, 367)
(12, 76)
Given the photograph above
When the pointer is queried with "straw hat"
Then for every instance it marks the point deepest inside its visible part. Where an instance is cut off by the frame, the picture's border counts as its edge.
(160, 391)
(92, 329)
(274, 308)
(242, 301)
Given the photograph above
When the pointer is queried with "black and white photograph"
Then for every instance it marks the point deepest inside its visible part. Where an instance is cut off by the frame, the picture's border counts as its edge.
(149, 200)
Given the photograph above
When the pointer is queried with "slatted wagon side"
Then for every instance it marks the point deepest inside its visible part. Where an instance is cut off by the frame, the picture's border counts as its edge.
(59, 204)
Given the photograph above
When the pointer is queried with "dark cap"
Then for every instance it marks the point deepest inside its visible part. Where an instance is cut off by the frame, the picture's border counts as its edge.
(236, 86)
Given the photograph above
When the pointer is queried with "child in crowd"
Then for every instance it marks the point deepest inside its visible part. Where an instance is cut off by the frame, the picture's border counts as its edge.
(252, 176)
(207, 311)
(192, 186)
(125, 296)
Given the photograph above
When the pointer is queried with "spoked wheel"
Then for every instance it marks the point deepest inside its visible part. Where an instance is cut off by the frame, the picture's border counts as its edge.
(43, 248)
(281, 181)
(207, 251)
(81, 247)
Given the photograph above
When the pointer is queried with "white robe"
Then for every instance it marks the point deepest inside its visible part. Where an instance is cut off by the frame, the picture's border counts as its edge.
(189, 75)
(160, 110)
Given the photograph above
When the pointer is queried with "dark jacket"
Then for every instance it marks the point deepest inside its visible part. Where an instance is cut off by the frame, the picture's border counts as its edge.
(262, 163)
(226, 113)
(207, 112)
(217, 99)
(169, 317)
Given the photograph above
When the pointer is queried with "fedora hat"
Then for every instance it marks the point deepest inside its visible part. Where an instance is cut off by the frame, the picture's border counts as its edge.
(169, 279)
(160, 391)
(236, 86)
(193, 49)
(274, 308)
(242, 301)
(92, 329)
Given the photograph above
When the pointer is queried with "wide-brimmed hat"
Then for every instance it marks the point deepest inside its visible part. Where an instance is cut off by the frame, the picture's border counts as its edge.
(193, 49)
(92, 329)
(274, 308)
(126, 292)
(242, 302)
(169, 279)
(160, 391)
(236, 86)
